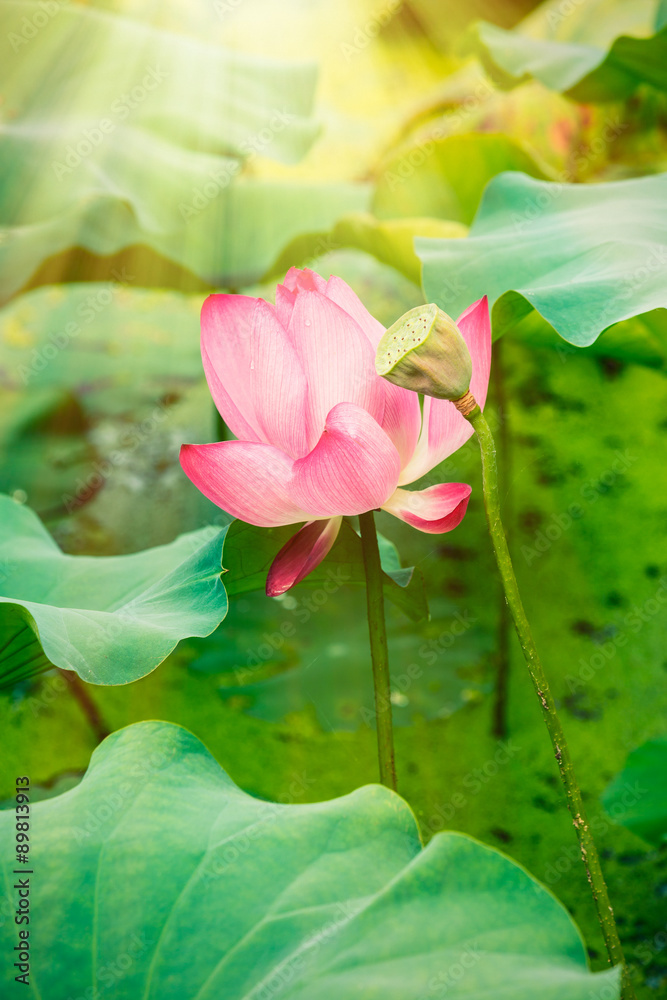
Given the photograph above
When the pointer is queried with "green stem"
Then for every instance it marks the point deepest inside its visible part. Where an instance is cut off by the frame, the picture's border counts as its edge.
(505, 478)
(379, 650)
(575, 803)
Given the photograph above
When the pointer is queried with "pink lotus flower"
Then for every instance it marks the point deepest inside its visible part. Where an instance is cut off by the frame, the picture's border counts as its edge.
(320, 434)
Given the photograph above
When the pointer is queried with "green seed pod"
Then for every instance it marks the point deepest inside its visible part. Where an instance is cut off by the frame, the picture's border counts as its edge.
(424, 351)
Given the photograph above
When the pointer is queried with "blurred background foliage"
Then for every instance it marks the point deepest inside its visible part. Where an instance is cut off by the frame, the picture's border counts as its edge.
(390, 131)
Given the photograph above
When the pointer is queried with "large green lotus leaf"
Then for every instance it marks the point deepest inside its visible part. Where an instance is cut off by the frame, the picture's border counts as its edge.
(445, 177)
(244, 898)
(249, 552)
(584, 256)
(128, 147)
(111, 619)
(601, 50)
(637, 797)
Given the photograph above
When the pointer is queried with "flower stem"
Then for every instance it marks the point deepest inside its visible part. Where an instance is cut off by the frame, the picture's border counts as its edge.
(575, 804)
(379, 650)
(505, 477)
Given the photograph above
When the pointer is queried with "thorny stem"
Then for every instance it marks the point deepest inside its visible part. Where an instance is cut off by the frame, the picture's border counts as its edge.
(379, 650)
(575, 803)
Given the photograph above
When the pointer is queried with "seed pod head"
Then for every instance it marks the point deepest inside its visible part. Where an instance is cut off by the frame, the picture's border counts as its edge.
(424, 351)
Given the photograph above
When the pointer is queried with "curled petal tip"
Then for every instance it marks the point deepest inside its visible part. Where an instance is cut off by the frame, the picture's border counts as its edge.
(301, 555)
(434, 510)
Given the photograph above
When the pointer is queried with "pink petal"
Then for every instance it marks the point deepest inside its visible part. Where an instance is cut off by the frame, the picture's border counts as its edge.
(436, 509)
(301, 555)
(353, 468)
(402, 415)
(278, 385)
(253, 372)
(227, 320)
(337, 358)
(340, 292)
(401, 419)
(298, 279)
(444, 430)
(248, 480)
(285, 300)
(475, 325)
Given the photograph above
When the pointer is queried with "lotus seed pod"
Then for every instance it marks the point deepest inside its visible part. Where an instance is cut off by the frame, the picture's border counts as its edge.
(425, 352)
